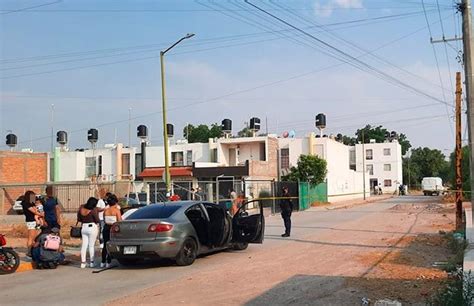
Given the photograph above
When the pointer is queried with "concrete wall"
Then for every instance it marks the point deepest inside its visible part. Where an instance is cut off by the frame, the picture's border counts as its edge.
(155, 156)
(296, 146)
(72, 165)
(395, 175)
(343, 183)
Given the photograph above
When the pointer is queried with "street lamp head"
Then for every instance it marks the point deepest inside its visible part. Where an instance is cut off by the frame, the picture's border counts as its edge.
(189, 35)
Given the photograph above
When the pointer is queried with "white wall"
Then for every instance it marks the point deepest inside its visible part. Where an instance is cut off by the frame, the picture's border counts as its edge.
(72, 166)
(155, 156)
(296, 146)
(343, 183)
(378, 162)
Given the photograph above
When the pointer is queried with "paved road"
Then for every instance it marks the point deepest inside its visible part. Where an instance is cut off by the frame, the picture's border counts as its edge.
(71, 285)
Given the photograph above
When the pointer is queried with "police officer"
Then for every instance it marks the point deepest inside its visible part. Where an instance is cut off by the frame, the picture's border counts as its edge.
(286, 207)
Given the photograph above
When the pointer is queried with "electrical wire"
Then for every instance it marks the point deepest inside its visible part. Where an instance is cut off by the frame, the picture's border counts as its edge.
(28, 8)
(354, 61)
(450, 123)
(203, 41)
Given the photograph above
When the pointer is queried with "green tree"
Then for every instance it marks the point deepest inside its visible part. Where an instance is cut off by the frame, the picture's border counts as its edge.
(425, 162)
(378, 133)
(202, 132)
(245, 132)
(310, 169)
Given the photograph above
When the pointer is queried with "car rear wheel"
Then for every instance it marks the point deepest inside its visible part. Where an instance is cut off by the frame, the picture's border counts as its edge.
(127, 261)
(240, 246)
(188, 253)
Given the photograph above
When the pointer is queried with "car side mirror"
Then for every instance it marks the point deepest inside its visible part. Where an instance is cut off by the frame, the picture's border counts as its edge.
(244, 214)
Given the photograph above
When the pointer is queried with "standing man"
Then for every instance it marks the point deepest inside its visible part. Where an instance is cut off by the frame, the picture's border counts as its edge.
(286, 207)
(52, 209)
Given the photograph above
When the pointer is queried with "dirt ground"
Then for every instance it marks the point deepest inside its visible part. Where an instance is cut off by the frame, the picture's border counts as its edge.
(384, 254)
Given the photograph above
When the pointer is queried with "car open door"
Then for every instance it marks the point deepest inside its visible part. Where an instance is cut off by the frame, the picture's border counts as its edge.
(248, 224)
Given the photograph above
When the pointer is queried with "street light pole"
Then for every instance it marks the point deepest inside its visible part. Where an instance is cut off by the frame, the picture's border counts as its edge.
(165, 122)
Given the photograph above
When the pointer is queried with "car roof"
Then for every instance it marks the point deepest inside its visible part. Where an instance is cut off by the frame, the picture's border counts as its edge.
(181, 203)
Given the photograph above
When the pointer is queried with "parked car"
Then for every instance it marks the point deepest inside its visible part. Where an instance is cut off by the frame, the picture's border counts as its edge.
(127, 203)
(184, 230)
(17, 205)
(432, 186)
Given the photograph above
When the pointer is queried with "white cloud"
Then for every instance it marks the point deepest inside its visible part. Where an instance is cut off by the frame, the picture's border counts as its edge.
(327, 8)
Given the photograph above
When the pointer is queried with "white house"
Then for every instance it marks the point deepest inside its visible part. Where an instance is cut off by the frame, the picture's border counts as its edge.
(343, 182)
(383, 163)
(110, 163)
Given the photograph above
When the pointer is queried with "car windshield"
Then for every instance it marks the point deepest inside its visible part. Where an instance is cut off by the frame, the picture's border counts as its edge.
(156, 211)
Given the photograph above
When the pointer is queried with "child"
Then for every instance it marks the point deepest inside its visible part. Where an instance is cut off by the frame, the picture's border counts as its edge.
(40, 222)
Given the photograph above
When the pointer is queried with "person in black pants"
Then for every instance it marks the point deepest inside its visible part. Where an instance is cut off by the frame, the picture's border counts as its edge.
(286, 207)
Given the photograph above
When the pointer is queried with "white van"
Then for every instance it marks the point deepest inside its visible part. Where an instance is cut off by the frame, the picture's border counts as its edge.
(432, 186)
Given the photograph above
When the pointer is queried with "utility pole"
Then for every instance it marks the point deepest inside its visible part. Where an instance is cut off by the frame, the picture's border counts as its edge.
(458, 153)
(363, 160)
(465, 8)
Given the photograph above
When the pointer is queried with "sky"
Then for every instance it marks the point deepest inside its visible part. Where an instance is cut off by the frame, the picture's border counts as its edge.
(77, 64)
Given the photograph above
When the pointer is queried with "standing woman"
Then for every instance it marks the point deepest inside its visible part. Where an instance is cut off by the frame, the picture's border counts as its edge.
(111, 215)
(88, 216)
(30, 211)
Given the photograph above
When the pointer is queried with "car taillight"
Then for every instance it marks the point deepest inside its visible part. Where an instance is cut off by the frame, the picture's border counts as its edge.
(160, 227)
(3, 241)
(116, 228)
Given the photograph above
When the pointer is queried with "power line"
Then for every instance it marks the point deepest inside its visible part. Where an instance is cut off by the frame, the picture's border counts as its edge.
(355, 61)
(357, 47)
(28, 8)
(437, 66)
(212, 39)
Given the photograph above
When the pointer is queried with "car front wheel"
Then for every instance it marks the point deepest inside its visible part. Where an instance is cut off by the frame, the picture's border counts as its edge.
(240, 246)
(188, 253)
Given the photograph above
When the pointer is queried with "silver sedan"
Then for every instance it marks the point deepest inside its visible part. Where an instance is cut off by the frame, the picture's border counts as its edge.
(184, 230)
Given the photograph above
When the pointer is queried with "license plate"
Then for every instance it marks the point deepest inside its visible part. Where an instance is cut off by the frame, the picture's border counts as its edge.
(128, 250)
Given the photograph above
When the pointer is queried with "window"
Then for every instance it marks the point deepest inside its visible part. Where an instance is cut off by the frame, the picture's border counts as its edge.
(177, 159)
(125, 163)
(214, 156)
(263, 152)
(285, 158)
(99, 170)
(370, 169)
(387, 152)
(387, 167)
(90, 166)
(369, 154)
(387, 183)
(189, 158)
(352, 157)
(155, 211)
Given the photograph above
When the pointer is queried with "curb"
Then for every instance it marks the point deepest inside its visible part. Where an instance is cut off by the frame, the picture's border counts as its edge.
(25, 266)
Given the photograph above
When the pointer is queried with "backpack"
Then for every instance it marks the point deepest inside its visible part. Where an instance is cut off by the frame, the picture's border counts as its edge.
(52, 242)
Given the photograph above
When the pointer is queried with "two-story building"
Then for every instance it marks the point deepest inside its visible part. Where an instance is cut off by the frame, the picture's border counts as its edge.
(113, 162)
(383, 163)
(342, 182)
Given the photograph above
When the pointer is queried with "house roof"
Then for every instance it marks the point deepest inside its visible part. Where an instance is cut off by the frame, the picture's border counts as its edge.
(158, 172)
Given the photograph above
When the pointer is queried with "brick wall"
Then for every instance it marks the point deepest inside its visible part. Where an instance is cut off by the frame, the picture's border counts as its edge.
(20, 168)
(266, 170)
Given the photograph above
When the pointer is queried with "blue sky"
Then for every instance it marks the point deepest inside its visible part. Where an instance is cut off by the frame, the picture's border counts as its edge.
(94, 60)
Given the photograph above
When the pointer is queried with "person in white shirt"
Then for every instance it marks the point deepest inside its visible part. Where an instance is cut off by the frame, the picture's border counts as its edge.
(101, 206)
